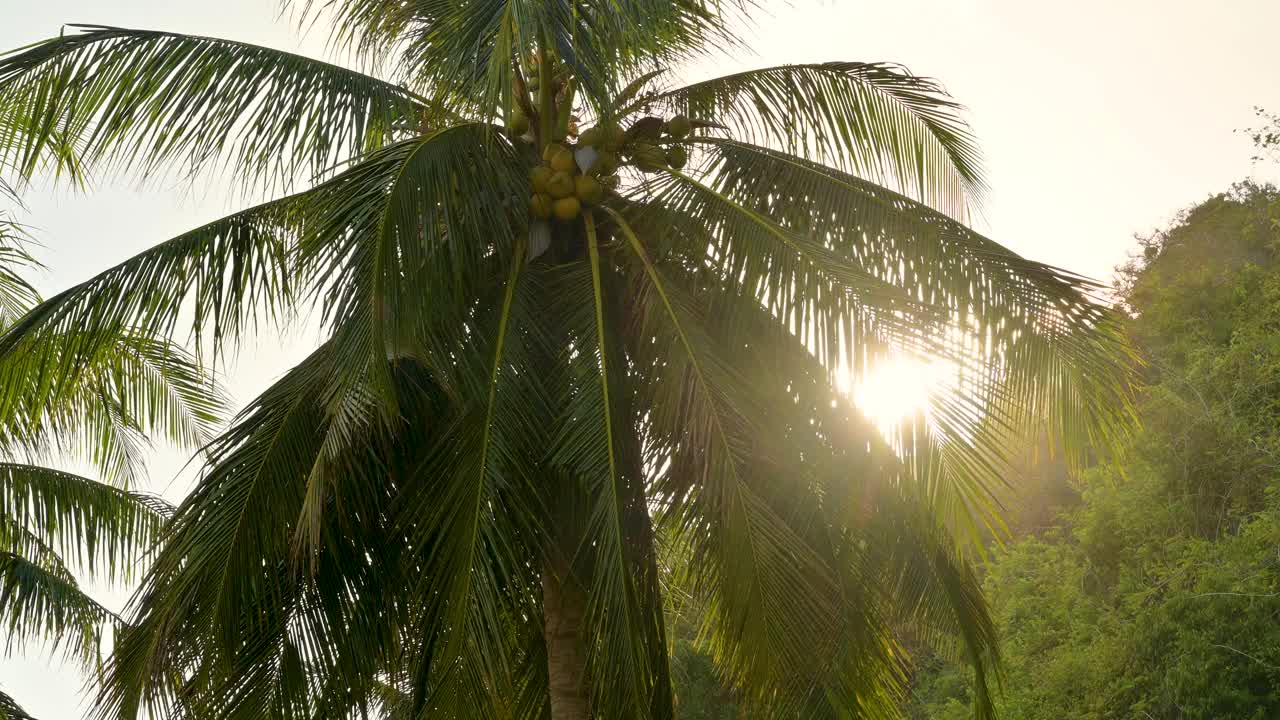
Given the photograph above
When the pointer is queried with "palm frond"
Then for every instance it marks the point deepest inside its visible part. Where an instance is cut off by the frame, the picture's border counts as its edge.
(143, 101)
(464, 549)
(874, 120)
(815, 462)
(465, 53)
(280, 637)
(38, 604)
(17, 295)
(777, 601)
(1032, 344)
(111, 410)
(226, 553)
(233, 270)
(99, 529)
(622, 671)
(389, 246)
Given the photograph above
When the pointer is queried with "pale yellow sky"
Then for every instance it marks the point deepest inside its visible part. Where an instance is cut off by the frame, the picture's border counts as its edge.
(1098, 119)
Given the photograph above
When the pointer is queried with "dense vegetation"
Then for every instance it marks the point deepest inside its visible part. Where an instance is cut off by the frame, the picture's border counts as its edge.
(1156, 592)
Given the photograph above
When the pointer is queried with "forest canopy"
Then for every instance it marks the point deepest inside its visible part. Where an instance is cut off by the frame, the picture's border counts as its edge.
(1154, 590)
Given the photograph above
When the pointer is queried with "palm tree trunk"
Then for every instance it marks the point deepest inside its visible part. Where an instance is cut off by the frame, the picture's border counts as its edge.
(563, 608)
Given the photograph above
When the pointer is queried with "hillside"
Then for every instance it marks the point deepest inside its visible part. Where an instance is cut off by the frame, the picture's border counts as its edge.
(1155, 593)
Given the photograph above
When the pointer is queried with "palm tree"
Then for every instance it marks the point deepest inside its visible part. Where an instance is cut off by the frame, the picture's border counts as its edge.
(573, 376)
(56, 526)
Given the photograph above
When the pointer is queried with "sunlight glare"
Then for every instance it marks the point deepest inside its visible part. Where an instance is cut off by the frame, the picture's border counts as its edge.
(894, 390)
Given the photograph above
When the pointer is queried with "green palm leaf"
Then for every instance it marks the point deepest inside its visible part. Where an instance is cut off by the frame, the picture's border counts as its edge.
(120, 93)
(55, 525)
(232, 268)
(98, 528)
(965, 300)
(871, 119)
(463, 53)
(17, 296)
(38, 603)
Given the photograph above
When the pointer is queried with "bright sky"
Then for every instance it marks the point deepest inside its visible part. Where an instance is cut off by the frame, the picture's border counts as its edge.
(1099, 119)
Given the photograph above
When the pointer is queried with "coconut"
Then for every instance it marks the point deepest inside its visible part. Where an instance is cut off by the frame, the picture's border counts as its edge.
(567, 208)
(679, 127)
(677, 156)
(560, 185)
(606, 163)
(550, 151)
(518, 123)
(563, 161)
(591, 136)
(540, 178)
(614, 138)
(649, 158)
(587, 189)
(540, 205)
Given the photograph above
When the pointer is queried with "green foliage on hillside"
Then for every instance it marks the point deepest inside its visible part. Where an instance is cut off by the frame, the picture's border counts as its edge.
(1157, 594)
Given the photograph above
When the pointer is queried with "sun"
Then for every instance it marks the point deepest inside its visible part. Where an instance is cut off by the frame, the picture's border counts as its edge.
(894, 389)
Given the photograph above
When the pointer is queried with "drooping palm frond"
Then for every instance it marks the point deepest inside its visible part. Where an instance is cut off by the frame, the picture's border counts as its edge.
(56, 526)
(809, 474)
(38, 603)
(227, 548)
(232, 557)
(389, 247)
(346, 243)
(17, 296)
(92, 528)
(746, 549)
(108, 410)
(944, 292)
(56, 152)
(874, 120)
(232, 269)
(144, 101)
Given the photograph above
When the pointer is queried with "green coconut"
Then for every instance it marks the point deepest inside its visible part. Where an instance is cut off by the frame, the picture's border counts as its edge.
(540, 178)
(567, 208)
(560, 185)
(563, 161)
(591, 136)
(518, 123)
(587, 189)
(614, 138)
(550, 151)
(540, 205)
(679, 127)
(677, 156)
(648, 158)
(606, 163)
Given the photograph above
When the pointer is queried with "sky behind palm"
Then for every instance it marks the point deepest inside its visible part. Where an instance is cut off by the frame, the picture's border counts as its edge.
(1098, 119)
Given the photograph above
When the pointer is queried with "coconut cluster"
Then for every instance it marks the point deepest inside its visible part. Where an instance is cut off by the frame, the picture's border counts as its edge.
(572, 177)
(559, 189)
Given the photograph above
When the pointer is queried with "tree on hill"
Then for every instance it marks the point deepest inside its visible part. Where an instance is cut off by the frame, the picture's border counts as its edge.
(1156, 597)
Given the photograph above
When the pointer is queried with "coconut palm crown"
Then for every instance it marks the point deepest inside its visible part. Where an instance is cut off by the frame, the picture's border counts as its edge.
(585, 328)
(58, 528)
